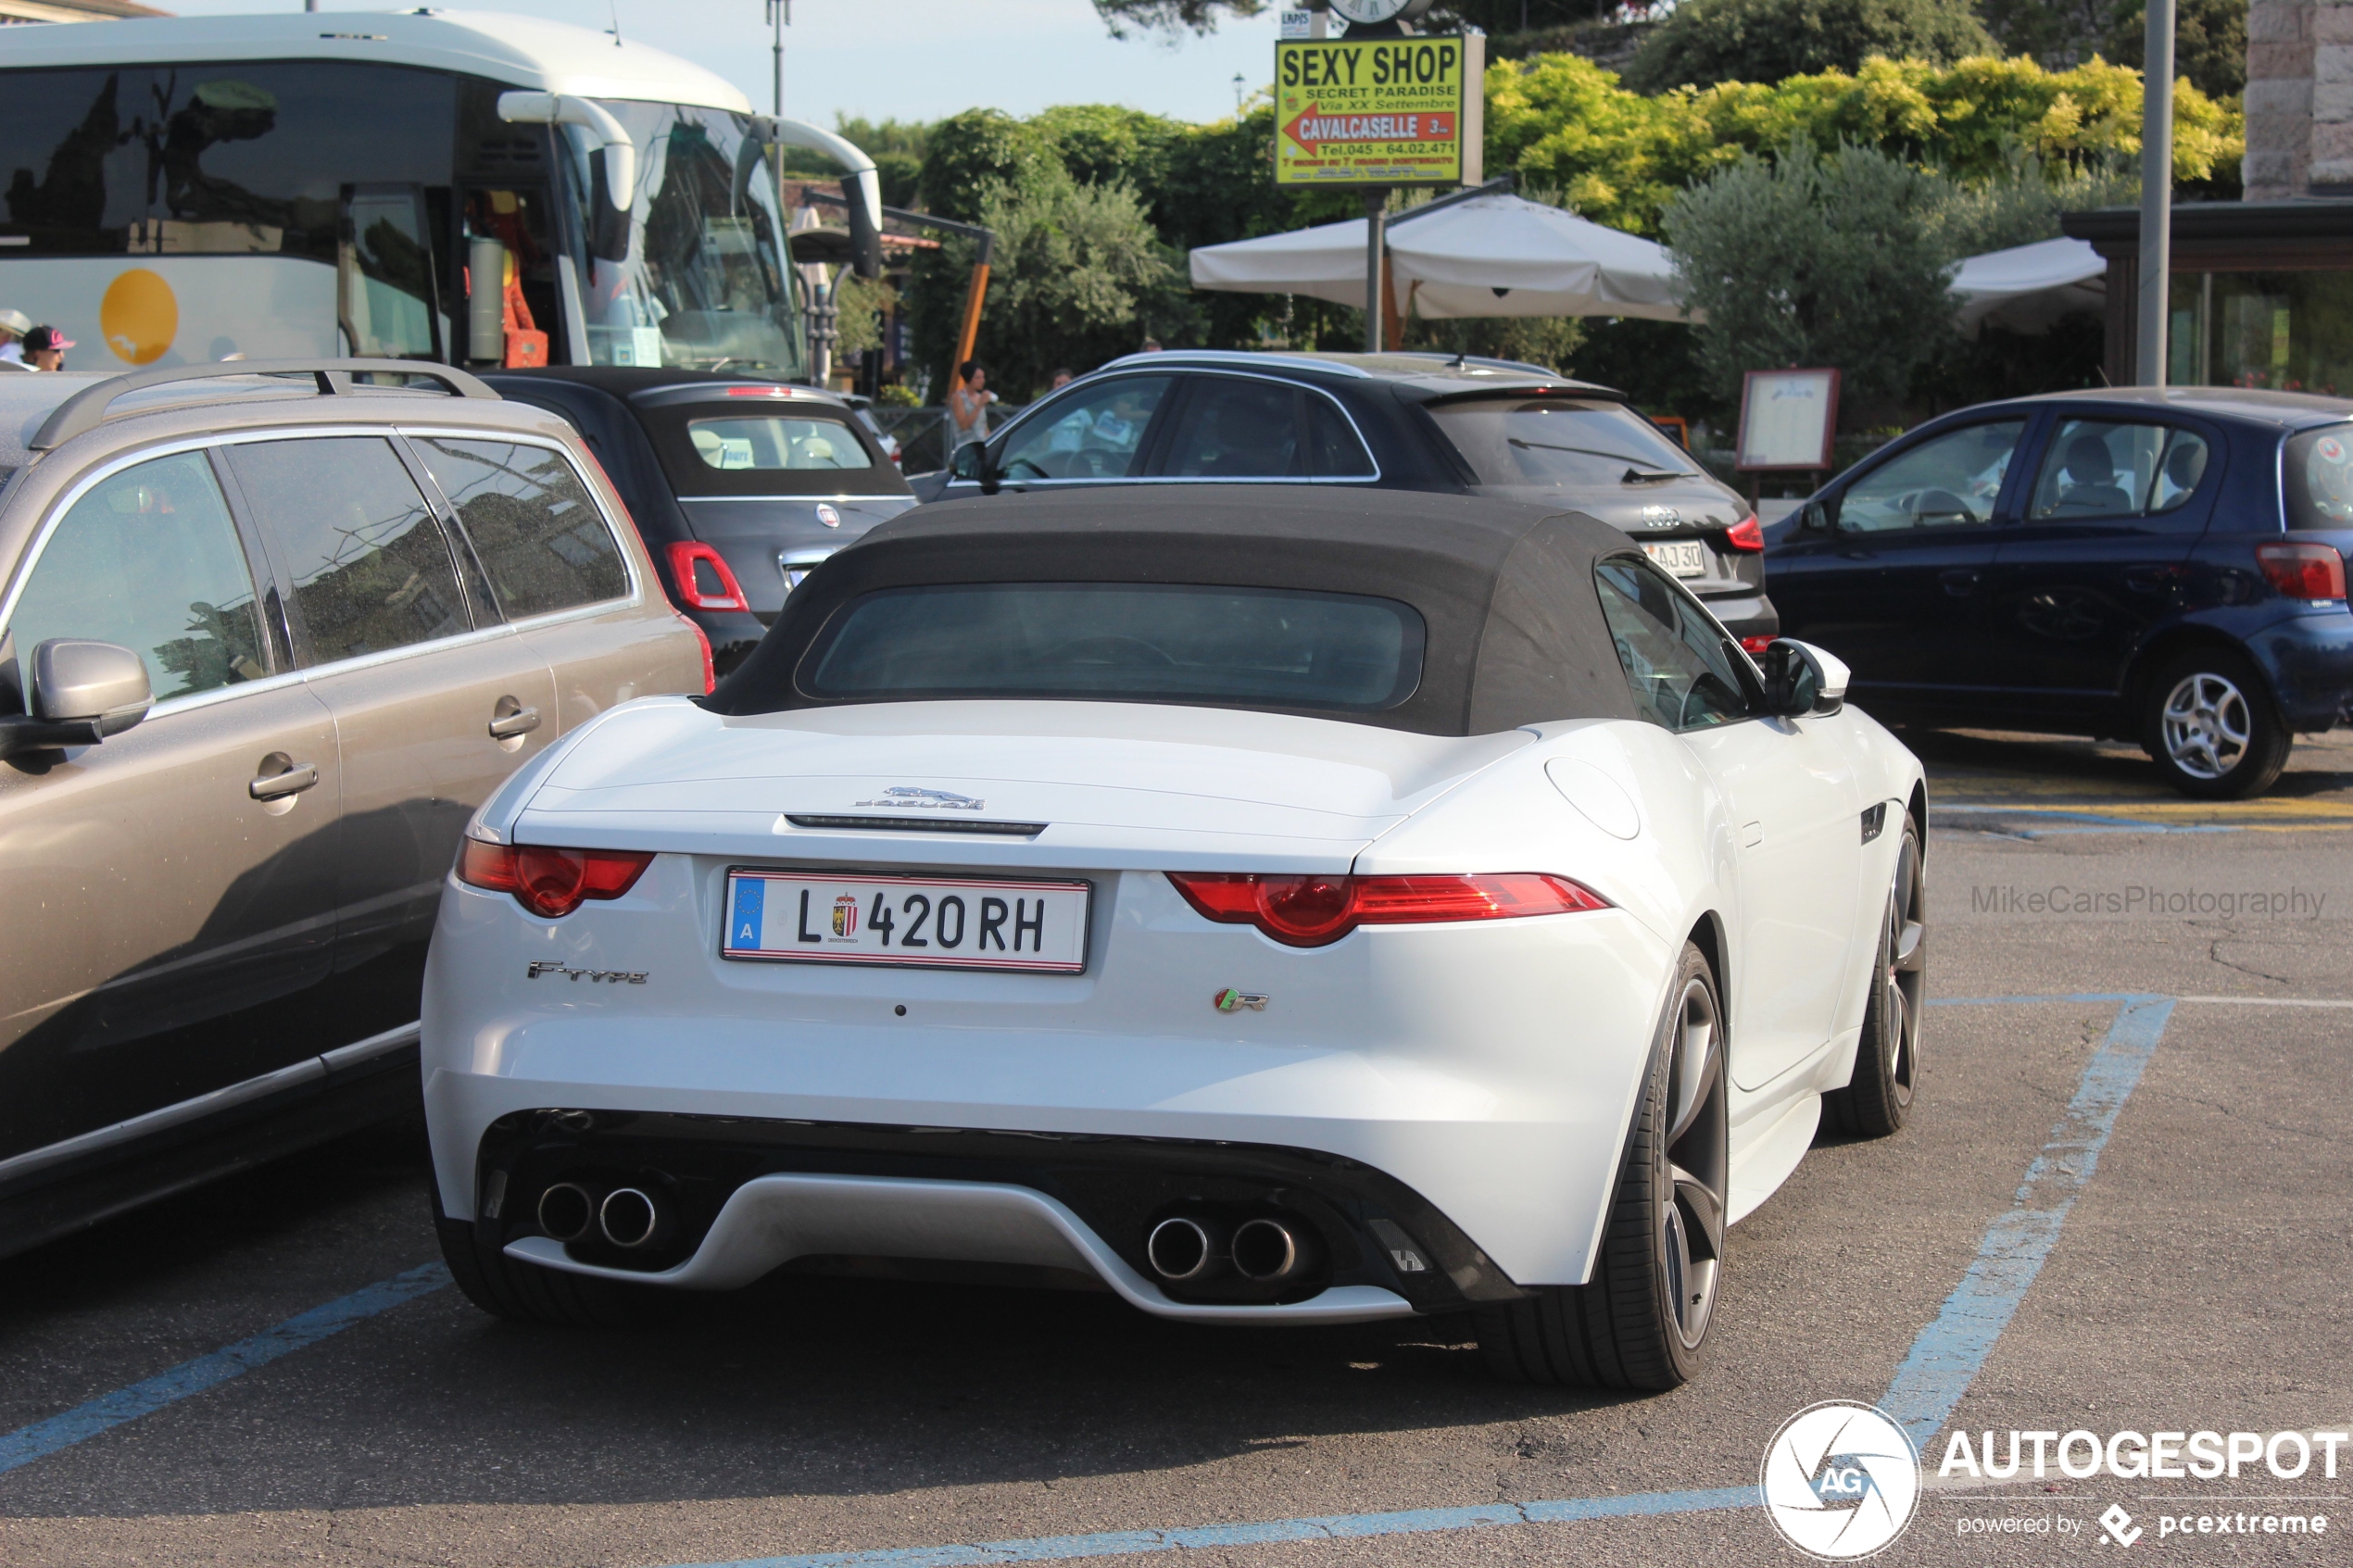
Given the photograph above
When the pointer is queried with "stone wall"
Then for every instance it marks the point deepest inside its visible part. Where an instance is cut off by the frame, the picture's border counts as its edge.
(2299, 99)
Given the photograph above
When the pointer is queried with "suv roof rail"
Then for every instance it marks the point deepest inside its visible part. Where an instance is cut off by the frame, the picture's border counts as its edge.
(86, 408)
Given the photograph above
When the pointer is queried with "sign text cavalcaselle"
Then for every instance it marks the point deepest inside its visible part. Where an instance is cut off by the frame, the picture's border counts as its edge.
(1379, 111)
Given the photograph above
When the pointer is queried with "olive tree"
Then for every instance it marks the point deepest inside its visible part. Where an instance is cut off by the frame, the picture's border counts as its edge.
(1816, 258)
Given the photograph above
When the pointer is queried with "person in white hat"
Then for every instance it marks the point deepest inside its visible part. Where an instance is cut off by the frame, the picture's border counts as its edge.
(14, 324)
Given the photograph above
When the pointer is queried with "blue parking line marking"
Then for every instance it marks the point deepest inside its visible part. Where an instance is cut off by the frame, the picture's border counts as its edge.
(1949, 1351)
(2022, 1001)
(42, 1437)
(1928, 1385)
(1342, 1526)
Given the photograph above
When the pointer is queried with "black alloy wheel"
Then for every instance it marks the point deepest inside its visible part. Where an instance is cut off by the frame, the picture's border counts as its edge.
(1639, 1322)
(1887, 1059)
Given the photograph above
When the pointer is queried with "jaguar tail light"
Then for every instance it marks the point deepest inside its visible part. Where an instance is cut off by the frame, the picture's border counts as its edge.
(1313, 911)
(2302, 569)
(550, 883)
(1746, 535)
(703, 579)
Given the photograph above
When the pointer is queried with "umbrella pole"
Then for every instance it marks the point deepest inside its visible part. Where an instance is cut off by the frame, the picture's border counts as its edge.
(1376, 238)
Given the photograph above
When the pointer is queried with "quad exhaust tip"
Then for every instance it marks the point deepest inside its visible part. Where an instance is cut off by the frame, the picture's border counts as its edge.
(1187, 1248)
(566, 1211)
(630, 1218)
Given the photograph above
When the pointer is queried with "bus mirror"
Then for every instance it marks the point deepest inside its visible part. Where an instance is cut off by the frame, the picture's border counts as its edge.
(555, 108)
(621, 173)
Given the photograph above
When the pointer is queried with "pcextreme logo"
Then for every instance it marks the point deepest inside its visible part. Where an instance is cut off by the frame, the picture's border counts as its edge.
(1840, 1481)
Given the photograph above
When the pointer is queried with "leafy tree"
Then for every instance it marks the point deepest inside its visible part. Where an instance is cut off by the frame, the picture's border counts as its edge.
(1100, 142)
(1705, 42)
(1127, 17)
(970, 156)
(1816, 259)
(896, 146)
(2209, 42)
(1618, 156)
(1080, 278)
(1549, 341)
(860, 306)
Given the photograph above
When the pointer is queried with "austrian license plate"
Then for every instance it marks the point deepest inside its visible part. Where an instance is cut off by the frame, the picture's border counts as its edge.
(1684, 558)
(936, 922)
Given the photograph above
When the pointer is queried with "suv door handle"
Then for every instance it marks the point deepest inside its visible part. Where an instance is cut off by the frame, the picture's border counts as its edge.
(1960, 581)
(293, 780)
(521, 722)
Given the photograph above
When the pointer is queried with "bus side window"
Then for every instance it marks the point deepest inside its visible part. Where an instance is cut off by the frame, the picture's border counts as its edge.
(389, 307)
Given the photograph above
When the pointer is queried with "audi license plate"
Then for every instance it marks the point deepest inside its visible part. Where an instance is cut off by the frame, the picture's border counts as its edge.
(1684, 558)
(939, 922)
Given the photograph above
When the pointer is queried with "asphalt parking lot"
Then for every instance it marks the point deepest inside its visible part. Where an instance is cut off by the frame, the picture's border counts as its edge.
(2120, 1205)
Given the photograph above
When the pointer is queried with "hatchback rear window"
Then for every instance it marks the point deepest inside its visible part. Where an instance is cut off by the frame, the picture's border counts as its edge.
(1544, 444)
(1133, 641)
(767, 447)
(2317, 478)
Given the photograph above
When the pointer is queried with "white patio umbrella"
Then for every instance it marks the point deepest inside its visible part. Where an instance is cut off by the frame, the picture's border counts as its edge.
(2026, 288)
(1493, 255)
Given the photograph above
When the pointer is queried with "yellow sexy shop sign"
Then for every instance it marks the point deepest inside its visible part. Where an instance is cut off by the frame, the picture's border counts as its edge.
(1380, 111)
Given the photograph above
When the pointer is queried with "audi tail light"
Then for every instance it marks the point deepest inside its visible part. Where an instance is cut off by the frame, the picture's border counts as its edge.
(2302, 569)
(1746, 535)
(550, 883)
(704, 582)
(1313, 911)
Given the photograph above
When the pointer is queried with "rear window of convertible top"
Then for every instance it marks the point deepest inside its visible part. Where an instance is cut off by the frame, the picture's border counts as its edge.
(1120, 642)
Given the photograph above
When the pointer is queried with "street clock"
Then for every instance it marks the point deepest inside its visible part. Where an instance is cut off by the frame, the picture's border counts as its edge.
(1366, 13)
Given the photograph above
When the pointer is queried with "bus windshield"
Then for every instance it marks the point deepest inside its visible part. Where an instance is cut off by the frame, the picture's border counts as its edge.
(693, 275)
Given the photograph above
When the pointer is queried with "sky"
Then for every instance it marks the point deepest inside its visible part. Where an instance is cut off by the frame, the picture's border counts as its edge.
(910, 59)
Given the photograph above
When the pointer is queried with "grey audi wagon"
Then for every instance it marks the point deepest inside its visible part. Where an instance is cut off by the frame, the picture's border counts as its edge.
(268, 634)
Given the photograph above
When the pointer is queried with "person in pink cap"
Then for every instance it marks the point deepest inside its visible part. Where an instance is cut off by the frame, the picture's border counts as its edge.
(46, 348)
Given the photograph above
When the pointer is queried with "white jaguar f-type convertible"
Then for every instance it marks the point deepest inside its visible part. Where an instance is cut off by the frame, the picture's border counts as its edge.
(1273, 905)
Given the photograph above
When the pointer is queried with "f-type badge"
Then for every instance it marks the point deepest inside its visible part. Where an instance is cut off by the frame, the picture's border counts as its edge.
(923, 799)
(1234, 1001)
(594, 976)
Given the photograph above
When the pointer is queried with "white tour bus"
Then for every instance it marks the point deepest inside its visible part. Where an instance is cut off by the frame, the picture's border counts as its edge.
(458, 186)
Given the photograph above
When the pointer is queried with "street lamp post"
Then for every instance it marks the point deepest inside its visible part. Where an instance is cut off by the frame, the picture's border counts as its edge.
(2157, 192)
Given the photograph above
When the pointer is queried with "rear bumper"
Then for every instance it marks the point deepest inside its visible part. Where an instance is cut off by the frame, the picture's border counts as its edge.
(1475, 1080)
(2310, 660)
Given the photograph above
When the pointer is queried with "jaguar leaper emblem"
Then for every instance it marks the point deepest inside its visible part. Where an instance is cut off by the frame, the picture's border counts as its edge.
(925, 799)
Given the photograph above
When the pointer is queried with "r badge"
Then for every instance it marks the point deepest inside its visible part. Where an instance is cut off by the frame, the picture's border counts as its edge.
(1234, 1001)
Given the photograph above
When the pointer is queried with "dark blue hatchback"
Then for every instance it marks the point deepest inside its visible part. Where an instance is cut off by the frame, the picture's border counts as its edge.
(2164, 565)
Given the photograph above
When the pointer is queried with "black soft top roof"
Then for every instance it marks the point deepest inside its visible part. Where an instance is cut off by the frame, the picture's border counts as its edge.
(1515, 628)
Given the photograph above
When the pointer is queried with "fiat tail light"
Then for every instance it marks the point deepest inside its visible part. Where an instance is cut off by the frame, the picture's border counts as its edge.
(1311, 911)
(703, 579)
(1746, 535)
(2302, 569)
(550, 883)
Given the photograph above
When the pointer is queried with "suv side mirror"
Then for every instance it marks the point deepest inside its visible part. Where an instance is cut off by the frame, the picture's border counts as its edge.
(82, 692)
(972, 461)
(1802, 679)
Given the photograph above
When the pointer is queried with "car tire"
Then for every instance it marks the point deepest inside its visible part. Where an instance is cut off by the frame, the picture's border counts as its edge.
(526, 1293)
(2208, 720)
(1887, 1059)
(1641, 1321)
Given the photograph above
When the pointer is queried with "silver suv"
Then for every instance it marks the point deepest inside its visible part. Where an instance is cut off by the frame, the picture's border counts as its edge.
(268, 636)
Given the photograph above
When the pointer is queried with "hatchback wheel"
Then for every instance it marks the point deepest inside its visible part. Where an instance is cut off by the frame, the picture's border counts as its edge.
(2209, 723)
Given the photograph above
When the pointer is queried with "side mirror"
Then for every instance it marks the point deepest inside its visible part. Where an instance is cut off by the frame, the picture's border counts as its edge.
(1813, 517)
(82, 692)
(971, 462)
(1802, 679)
